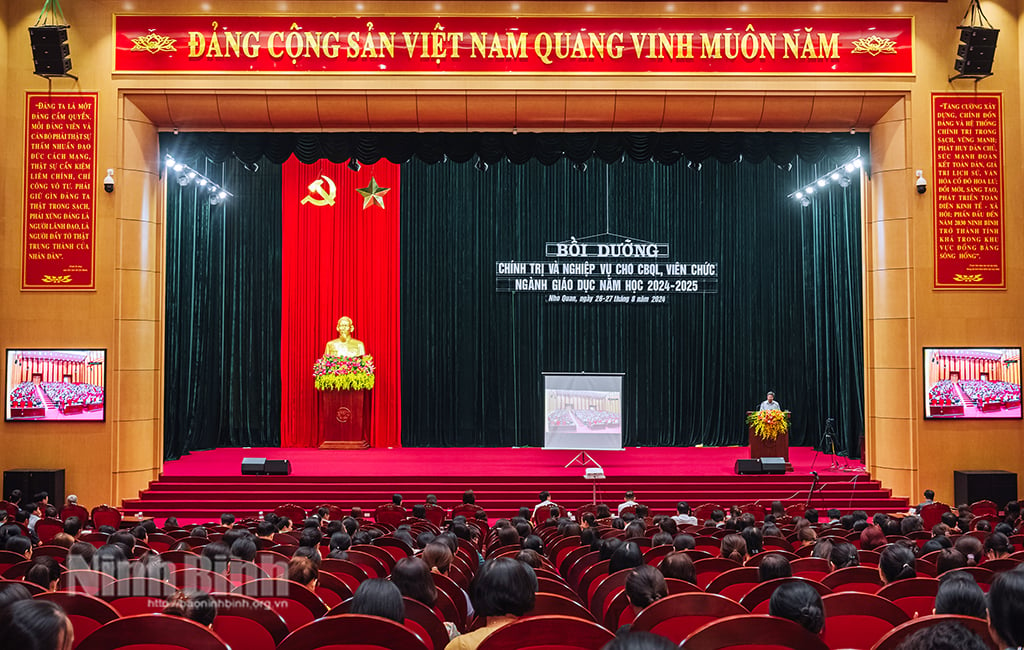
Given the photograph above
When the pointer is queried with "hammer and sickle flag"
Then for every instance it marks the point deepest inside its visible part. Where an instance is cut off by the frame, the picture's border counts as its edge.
(319, 195)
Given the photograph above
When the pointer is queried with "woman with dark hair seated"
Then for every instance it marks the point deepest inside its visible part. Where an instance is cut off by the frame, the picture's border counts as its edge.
(734, 547)
(645, 585)
(773, 566)
(502, 591)
(959, 593)
(378, 597)
(872, 538)
(45, 572)
(896, 563)
(640, 641)
(194, 605)
(35, 625)
(1006, 609)
(626, 556)
(678, 565)
(799, 602)
(997, 545)
(412, 577)
(844, 554)
(339, 545)
(949, 559)
(971, 547)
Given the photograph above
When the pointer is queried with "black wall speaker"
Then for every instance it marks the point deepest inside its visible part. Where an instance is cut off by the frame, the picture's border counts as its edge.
(253, 465)
(51, 55)
(33, 481)
(994, 485)
(773, 465)
(976, 51)
(281, 467)
(748, 466)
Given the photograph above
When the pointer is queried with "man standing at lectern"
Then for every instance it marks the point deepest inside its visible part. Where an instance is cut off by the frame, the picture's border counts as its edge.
(770, 404)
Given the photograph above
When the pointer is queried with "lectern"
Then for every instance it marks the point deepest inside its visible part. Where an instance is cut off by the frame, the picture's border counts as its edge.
(761, 448)
(344, 417)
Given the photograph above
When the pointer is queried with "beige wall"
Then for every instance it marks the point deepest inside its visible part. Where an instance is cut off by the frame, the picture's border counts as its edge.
(113, 460)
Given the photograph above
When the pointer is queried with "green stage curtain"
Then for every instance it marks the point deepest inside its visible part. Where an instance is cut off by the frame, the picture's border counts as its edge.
(787, 316)
(222, 341)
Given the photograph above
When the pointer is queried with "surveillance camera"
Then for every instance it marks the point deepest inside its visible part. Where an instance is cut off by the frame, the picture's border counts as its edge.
(922, 184)
(108, 181)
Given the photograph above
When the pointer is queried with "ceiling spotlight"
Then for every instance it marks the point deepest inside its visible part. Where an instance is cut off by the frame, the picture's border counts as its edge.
(849, 167)
(857, 162)
(170, 161)
(183, 178)
(822, 182)
(787, 167)
(798, 195)
(695, 166)
(834, 176)
(178, 167)
(809, 190)
(215, 199)
(580, 167)
(804, 202)
(353, 164)
(844, 182)
(203, 182)
(481, 165)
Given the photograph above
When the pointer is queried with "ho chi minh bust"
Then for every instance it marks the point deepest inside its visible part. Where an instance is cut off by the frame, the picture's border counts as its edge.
(345, 345)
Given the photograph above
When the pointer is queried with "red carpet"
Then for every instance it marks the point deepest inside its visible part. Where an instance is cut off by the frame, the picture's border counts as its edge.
(204, 484)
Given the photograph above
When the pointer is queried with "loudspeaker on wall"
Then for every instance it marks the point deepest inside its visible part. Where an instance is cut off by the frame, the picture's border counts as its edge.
(51, 55)
(976, 51)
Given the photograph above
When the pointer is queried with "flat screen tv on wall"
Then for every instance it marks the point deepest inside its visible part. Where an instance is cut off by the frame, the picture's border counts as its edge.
(968, 383)
(55, 385)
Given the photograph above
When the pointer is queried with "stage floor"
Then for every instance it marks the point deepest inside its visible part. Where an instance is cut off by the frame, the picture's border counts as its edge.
(497, 461)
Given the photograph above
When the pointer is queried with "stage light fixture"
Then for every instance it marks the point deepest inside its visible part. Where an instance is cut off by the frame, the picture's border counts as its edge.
(185, 175)
(580, 167)
(481, 165)
(841, 176)
(695, 166)
(354, 165)
(844, 182)
(804, 202)
(183, 178)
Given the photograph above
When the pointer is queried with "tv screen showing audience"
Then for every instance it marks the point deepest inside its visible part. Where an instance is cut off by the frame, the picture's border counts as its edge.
(582, 411)
(55, 385)
(972, 383)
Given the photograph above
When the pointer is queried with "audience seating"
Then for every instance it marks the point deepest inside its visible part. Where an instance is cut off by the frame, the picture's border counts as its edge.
(734, 583)
(295, 513)
(896, 636)
(86, 613)
(548, 632)
(353, 630)
(756, 600)
(154, 632)
(246, 623)
(712, 567)
(677, 617)
(106, 516)
(766, 632)
(389, 513)
(47, 527)
(296, 604)
(131, 596)
(85, 581)
(915, 596)
(545, 604)
(864, 579)
(857, 621)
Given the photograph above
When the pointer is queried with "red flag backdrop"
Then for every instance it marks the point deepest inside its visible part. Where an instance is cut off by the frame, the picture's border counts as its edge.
(338, 259)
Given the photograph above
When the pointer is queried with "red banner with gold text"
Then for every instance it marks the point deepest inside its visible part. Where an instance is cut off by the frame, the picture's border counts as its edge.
(60, 171)
(509, 44)
(969, 233)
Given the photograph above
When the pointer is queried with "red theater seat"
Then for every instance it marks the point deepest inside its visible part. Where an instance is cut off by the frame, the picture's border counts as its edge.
(353, 631)
(153, 632)
(857, 621)
(753, 632)
(245, 623)
(896, 636)
(86, 613)
(549, 633)
(676, 617)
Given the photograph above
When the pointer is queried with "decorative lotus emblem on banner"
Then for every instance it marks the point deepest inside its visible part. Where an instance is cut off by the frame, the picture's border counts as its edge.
(960, 277)
(874, 46)
(153, 43)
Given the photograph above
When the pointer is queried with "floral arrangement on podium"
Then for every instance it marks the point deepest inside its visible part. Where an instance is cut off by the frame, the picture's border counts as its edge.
(768, 425)
(343, 373)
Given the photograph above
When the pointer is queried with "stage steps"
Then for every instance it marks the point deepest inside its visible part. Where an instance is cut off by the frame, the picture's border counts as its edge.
(205, 498)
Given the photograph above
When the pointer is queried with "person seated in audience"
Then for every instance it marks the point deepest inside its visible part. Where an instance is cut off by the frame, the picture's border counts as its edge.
(959, 593)
(45, 572)
(80, 556)
(635, 529)
(171, 523)
(949, 559)
(396, 499)
(216, 556)
(972, 548)
(63, 540)
(35, 513)
(508, 536)
(940, 530)
(403, 534)
(608, 548)
(412, 577)
(805, 536)
(833, 516)
(644, 585)
(661, 539)
(502, 592)
(800, 603)
(12, 591)
(534, 543)
(823, 548)
(1004, 528)
(530, 558)
(997, 545)
(379, 597)
(629, 502)
(36, 624)
(872, 538)
(734, 547)
(200, 532)
(911, 524)
(843, 555)
(936, 544)
(603, 511)
(339, 545)
(896, 562)
(770, 530)
(628, 640)
(678, 565)
(73, 526)
(754, 539)
(683, 516)
(984, 525)
(419, 511)
(356, 513)
(929, 498)
(304, 571)
(684, 542)
(811, 515)
(244, 549)
(950, 520)
(668, 525)
(266, 530)
(194, 605)
(469, 498)
(1011, 512)
(943, 636)
(21, 545)
(1006, 609)
(773, 566)
(627, 556)
(227, 519)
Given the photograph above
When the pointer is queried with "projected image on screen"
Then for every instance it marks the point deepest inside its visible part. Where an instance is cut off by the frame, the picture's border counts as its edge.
(583, 411)
(972, 382)
(55, 385)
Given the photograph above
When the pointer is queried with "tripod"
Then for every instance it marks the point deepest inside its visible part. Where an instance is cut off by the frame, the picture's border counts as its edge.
(827, 444)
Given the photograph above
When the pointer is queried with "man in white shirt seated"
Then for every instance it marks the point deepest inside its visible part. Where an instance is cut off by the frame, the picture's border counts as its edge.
(545, 502)
(683, 515)
(770, 404)
(629, 502)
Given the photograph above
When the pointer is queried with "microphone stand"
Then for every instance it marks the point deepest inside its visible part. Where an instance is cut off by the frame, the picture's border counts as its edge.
(810, 492)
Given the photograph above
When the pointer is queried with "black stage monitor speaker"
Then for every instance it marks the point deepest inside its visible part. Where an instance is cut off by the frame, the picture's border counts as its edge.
(253, 465)
(976, 51)
(773, 465)
(748, 466)
(281, 467)
(34, 481)
(975, 485)
(51, 55)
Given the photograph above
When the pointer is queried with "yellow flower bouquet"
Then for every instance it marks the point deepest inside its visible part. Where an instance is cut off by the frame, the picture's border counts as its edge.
(768, 425)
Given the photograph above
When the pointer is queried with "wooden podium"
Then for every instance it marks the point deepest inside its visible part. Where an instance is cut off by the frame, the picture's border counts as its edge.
(761, 448)
(344, 417)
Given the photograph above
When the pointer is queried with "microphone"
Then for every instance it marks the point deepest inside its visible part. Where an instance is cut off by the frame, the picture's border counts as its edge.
(814, 474)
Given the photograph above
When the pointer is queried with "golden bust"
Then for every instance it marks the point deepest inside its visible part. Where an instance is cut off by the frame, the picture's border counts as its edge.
(344, 345)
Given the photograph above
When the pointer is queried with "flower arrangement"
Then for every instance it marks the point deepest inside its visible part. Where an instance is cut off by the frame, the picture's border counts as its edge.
(768, 425)
(343, 373)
